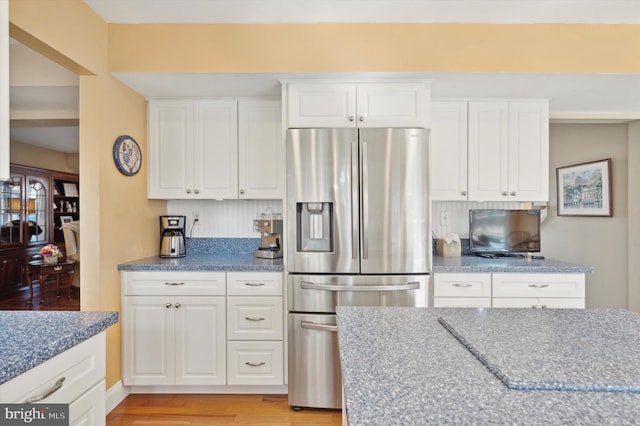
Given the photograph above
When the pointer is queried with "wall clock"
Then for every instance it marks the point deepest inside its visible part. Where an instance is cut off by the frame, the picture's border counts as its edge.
(127, 155)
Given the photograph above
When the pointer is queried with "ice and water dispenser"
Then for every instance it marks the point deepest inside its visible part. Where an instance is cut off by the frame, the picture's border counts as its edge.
(314, 227)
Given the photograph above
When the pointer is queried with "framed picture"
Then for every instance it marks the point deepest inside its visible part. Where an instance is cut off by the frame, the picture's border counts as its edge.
(585, 189)
(70, 189)
(56, 190)
(65, 219)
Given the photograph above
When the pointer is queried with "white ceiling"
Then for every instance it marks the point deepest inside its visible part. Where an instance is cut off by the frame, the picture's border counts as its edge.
(53, 91)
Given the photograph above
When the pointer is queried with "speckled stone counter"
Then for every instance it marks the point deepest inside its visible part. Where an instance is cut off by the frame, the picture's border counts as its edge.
(401, 367)
(29, 338)
(505, 264)
(211, 254)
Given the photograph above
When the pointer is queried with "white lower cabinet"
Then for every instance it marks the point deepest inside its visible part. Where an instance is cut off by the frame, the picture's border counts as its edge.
(509, 290)
(180, 328)
(462, 290)
(538, 290)
(75, 377)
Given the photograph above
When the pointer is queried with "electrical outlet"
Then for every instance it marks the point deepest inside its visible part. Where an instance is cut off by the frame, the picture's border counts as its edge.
(196, 218)
(444, 219)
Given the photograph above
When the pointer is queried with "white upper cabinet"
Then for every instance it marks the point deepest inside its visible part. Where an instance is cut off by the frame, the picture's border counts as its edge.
(215, 149)
(508, 151)
(399, 104)
(261, 167)
(448, 139)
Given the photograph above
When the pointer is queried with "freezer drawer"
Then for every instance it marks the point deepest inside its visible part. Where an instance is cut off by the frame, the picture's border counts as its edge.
(314, 363)
(322, 293)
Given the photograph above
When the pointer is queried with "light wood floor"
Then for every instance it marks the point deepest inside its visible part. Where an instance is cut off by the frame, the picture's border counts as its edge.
(199, 410)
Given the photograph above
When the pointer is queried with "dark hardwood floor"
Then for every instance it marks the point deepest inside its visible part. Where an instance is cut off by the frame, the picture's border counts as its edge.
(199, 410)
(18, 301)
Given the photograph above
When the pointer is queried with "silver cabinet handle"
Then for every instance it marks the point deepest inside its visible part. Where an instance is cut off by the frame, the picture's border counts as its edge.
(58, 384)
(351, 118)
(361, 118)
(174, 283)
(461, 285)
(513, 194)
(168, 305)
(188, 191)
(242, 191)
(504, 194)
(365, 202)
(196, 191)
(354, 200)
(464, 193)
(328, 287)
(322, 327)
(254, 318)
(255, 364)
(178, 305)
(254, 284)
(538, 285)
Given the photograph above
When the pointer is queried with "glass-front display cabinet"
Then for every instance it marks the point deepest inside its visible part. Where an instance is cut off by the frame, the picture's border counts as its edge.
(25, 217)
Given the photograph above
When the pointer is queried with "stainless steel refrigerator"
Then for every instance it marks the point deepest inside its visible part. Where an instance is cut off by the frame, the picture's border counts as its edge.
(358, 234)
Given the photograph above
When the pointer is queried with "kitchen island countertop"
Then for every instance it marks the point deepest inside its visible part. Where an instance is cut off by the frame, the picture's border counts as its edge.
(205, 262)
(29, 338)
(471, 264)
(401, 366)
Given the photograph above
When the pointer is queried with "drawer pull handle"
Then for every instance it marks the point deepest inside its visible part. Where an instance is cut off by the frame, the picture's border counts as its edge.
(254, 319)
(255, 364)
(174, 283)
(48, 392)
(462, 285)
(538, 285)
(254, 284)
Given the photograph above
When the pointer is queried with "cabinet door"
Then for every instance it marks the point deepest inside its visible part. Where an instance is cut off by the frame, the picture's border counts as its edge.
(448, 140)
(170, 129)
(10, 272)
(461, 302)
(215, 149)
(488, 151)
(539, 303)
(261, 168)
(89, 409)
(148, 340)
(200, 340)
(392, 105)
(528, 151)
(322, 105)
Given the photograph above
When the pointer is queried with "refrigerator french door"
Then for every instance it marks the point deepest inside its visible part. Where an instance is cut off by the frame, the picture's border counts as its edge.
(358, 201)
(359, 234)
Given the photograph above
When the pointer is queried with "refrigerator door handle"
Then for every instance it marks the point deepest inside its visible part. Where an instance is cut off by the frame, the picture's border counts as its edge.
(322, 327)
(354, 200)
(328, 287)
(365, 203)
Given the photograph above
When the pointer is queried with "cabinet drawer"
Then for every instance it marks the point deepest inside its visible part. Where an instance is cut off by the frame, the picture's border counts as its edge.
(254, 284)
(462, 285)
(254, 318)
(90, 408)
(533, 302)
(461, 302)
(174, 283)
(538, 285)
(255, 363)
(81, 367)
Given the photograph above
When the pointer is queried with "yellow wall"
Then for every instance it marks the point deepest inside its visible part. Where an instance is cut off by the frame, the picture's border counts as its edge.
(35, 156)
(118, 222)
(374, 48)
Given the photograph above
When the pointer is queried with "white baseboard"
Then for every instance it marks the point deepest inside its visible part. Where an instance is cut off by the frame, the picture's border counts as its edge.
(115, 395)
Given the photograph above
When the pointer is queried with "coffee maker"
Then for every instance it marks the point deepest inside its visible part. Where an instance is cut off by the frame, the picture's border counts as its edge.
(172, 243)
(270, 238)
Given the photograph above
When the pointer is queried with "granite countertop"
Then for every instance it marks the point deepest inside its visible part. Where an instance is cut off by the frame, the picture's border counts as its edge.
(402, 367)
(205, 262)
(211, 254)
(29, 338)
(505, 264)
